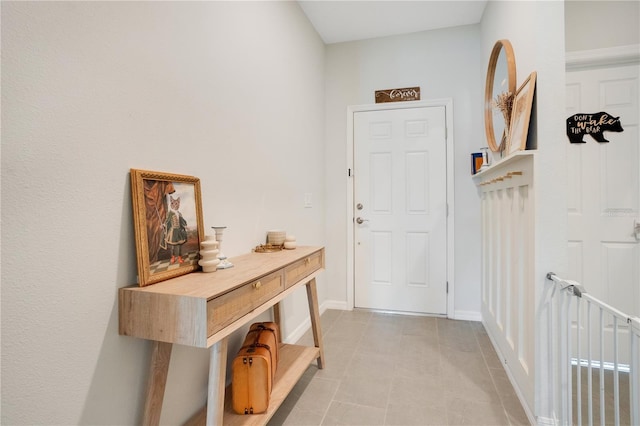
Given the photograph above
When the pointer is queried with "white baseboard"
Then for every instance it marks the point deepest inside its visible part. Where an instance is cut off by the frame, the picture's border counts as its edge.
(545, 421)
(467, 316)
(507, 369)
(339, 305)
(299, 331)
(334, 304)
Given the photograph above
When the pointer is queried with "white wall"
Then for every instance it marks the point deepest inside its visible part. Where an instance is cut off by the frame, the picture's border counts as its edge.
(229, 92)
(536, 31)
(601, 24)
(445, 64)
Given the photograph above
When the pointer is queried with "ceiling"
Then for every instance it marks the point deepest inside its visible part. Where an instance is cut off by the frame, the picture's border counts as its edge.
(344, 20)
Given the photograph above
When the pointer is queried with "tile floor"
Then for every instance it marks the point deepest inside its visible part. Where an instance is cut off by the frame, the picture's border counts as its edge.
(385, 369)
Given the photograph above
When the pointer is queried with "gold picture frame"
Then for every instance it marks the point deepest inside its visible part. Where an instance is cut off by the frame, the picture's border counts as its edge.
(167, 239)
(521, 115)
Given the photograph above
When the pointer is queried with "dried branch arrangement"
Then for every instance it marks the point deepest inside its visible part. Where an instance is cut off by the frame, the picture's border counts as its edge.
(504, 102)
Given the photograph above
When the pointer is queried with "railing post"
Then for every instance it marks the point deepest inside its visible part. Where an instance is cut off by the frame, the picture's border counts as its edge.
(589, 366)
(569, 397)
(579, 361)
(561, 356)
(616, 379)
(601, 384)
(634, 369)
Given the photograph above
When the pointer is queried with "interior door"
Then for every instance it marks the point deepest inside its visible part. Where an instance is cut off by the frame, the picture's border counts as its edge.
(400, 210)
(604, 193)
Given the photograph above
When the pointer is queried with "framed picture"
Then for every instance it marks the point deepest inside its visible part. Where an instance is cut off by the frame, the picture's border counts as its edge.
(520, 115)
(476, 162)
(167, 218)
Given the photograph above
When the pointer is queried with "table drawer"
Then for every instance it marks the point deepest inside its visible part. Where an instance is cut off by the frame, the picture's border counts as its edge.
(303, 267)
(225, 309)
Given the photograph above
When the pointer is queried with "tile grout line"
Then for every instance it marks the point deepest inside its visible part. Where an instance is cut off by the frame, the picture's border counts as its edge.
(386, 408)
(493, 380)
(340, 380)
(440, 360)
(326, 410)
(442, 329)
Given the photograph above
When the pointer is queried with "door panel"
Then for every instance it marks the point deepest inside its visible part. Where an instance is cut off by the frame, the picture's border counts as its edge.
(604, 193)
(400, 180)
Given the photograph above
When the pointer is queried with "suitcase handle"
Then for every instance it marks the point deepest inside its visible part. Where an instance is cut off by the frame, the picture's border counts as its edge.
(256, 344)
(252, 348)
(259, 328)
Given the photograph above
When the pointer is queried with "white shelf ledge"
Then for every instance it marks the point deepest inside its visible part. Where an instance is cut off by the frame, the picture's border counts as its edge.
(506, 161)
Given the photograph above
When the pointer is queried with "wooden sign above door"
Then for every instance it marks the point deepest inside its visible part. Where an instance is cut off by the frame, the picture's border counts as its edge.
(398, 95)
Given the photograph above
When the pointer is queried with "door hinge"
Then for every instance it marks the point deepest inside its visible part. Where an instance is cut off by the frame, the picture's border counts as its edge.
(447, 287)
(349, 172)
(447, 215)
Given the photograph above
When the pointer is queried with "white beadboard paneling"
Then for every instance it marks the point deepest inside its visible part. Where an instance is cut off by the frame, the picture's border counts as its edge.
(507, 308)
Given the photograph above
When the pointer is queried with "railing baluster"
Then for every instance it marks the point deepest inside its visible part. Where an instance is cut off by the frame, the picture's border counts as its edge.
(568, 360)
(634, 370)
(616, 390)
(578, 364)
(602, 412)
(562, 332)
(564, 355)
(589, 366)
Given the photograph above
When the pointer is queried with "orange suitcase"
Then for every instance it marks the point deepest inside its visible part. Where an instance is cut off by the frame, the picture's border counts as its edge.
(270, 327)
(254, 368)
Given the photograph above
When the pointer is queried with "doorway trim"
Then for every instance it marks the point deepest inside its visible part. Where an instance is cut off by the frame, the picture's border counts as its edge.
(447, 103)
(607, 57)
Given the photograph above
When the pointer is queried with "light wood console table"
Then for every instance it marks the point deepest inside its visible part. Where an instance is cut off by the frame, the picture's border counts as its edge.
(203, 309)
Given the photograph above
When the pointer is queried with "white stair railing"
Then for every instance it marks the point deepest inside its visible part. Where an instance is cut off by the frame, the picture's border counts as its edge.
(610, 347)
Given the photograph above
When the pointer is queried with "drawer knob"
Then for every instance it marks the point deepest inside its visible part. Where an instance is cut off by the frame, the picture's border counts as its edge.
(257, 285)
(307, 261)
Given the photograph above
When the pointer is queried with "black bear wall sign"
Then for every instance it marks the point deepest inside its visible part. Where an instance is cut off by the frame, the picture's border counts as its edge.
(594, 124)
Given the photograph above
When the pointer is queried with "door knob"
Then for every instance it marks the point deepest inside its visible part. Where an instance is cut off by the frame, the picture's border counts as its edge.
(360, 220)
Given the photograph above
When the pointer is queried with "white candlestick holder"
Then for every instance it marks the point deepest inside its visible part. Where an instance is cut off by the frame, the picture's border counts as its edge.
(224, 263)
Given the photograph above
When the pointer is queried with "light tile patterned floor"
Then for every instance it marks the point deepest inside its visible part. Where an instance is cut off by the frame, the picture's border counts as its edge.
(385, 369)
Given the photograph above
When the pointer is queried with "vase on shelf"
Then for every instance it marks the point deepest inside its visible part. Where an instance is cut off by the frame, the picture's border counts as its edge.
(209, 254)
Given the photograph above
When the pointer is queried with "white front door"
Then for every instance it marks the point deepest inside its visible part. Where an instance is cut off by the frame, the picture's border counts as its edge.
(400, 210)
(604, 192)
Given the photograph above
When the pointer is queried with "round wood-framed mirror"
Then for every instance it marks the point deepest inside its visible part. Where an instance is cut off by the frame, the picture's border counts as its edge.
(501, 78)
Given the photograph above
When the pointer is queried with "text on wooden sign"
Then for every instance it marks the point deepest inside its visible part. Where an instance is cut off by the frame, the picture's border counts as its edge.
(593, 124)
(398, 95)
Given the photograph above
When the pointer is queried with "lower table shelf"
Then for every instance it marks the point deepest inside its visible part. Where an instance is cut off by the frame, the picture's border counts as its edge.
(294, 360)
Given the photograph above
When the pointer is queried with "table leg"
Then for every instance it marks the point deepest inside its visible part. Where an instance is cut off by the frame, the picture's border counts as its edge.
(276, 316)
(312, 298)
(217, 381)
(159, 368)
